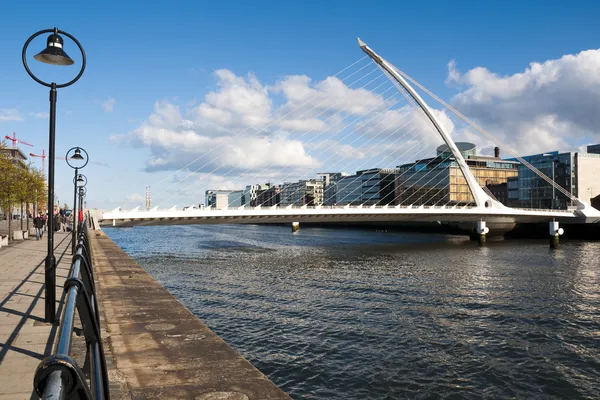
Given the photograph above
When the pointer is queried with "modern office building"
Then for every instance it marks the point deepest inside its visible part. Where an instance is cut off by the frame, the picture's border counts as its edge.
(499, 191)
(348, 190)
(330, 180)
(378, 186)
(269, 197)
(439, 180)
(578, 173)
(235, 198)
(221, 199)
(251, 193)
(304, 192)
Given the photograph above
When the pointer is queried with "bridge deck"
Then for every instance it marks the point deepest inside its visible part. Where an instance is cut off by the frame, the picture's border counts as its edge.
(334, 214)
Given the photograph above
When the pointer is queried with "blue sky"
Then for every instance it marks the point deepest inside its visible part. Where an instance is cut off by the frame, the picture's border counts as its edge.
(141, 52)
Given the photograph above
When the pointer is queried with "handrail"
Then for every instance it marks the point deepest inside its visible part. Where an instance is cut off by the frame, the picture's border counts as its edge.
(59, 376)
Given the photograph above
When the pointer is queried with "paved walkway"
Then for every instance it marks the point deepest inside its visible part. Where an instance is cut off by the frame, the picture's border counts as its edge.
(25, 339)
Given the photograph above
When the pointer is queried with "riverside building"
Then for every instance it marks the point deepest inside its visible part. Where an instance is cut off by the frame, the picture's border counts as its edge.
(304, 192)
(439, 180)
(576, 172)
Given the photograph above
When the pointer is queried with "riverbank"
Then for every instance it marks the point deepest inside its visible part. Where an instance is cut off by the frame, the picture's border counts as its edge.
(160, 349)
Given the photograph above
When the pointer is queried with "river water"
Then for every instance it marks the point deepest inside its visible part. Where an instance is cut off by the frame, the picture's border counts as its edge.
(351, 314)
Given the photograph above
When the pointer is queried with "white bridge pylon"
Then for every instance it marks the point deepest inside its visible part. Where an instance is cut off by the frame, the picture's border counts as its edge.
(485, 207)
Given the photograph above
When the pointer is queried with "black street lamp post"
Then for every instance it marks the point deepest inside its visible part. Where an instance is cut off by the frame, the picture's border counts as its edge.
(76, 160)
(55, 55)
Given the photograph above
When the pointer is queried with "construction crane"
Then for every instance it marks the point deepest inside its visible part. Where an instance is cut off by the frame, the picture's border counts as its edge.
(14, 141)
(43, 156)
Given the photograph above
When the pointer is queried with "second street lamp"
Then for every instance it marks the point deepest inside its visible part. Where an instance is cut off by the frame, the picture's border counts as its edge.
(76, 158)
(55, 55)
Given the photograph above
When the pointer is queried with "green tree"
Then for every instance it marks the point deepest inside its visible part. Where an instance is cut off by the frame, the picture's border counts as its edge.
(7, 187)
(19, 184)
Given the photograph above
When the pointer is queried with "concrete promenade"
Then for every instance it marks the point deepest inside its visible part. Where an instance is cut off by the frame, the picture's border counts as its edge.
(25, 339)
(156, 346)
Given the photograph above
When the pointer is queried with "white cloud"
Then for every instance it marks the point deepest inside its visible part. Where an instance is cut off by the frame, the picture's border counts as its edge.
(550, 105)
(108, 105)
(238, 102)
(40, 115)
(10, 114)
(135, 198)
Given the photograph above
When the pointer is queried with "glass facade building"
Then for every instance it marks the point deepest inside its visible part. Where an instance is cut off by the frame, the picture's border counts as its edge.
(439, 180)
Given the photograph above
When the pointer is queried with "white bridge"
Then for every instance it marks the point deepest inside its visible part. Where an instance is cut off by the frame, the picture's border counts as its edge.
(343, 214)
(484, 209)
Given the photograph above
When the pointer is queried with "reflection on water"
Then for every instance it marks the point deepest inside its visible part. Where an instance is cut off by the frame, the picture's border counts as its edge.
(342, 314)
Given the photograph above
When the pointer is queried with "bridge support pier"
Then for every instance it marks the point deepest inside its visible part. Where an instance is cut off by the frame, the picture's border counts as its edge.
(295, 226)
(555, 232)
(481, 230)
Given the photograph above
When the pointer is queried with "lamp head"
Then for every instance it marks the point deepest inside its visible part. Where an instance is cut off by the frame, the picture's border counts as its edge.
(77, 155)
(54, 53)
(80, 179)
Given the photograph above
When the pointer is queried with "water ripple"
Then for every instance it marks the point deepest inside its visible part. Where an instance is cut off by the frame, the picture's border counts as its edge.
(334, 314)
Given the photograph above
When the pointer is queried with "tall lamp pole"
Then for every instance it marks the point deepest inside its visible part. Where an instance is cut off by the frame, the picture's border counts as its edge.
(55, 55)
(77, 161)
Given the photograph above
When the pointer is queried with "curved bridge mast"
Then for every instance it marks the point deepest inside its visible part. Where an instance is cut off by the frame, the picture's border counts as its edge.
(482, 199)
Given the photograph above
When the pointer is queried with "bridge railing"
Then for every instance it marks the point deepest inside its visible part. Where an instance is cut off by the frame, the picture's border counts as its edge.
(333, 207)
(59, 376)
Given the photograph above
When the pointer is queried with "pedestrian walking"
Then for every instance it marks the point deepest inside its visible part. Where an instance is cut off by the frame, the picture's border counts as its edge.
(65, 222)
(57, 222)
(38, 223)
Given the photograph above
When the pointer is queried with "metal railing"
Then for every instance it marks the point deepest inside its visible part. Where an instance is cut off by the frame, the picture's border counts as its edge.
(59, 376)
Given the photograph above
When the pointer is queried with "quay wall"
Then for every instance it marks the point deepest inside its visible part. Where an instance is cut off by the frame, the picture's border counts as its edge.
(156, 348)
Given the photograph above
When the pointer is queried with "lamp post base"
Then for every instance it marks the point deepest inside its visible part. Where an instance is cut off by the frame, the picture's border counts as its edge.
(50, 293)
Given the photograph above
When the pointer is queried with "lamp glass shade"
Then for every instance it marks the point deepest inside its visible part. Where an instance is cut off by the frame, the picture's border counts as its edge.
(77, 155)
(54, 53)
(80, 179)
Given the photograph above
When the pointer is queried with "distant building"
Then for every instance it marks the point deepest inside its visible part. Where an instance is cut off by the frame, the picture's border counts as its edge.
(304, 192)
(329, 185)
(576, 172)
(251, 193)
(378, 186)
(512, 192)
(348, 190)
(439, 180)
(16, 155)
(499, 191)
(593, 149)
(235, 198)
(221, 199)
(269, 197)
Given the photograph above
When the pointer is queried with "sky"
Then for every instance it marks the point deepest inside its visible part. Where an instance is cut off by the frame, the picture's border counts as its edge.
(186, 96)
